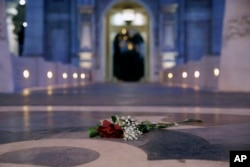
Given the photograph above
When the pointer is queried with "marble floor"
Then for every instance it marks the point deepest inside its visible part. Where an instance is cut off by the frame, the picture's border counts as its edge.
(48, 127)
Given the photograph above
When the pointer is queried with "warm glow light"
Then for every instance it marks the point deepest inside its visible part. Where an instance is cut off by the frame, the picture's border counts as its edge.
(168, 64)
(25, 24)
(49, 108)
(65, 75)
(22, 2)
(124, 31)
(117, 20)
(85, 56)
(196, 87)
(26, 92)
(86, 64)
(83, 76)
(128, 15)
(26, 118)
(26, 74)
(139, 19)
(49, 90)
(184, 74)
(49, 74)
(216, 72)
(25, 108)
(196, 74)
(170, 75)
(130, 46)
(75, 75)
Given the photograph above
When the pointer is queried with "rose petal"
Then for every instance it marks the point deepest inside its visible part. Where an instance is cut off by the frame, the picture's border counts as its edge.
(106, 123)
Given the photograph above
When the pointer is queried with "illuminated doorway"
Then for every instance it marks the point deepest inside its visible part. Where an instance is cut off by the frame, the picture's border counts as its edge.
(137, 54)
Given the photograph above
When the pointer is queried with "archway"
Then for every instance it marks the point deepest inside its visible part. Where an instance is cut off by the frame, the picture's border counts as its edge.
(128, 55)
(109, 31)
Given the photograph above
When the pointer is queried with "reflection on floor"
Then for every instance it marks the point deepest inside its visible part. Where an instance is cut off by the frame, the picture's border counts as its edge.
(24, 134)
(56, 135)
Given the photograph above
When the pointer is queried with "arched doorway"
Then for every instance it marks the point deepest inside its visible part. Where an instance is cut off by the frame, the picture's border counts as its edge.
(113, 24)
(128, 56)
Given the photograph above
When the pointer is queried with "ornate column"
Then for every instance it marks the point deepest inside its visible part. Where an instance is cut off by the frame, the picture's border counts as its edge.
(235, 59)
(6, 76)
(168, 35)
(34, 33)
(85, 36)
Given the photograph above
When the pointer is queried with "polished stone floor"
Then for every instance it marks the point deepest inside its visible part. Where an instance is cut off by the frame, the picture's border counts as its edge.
(48, 127)
(126, 94)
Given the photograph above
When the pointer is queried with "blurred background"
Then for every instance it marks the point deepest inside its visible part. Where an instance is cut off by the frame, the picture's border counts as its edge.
(177, 42)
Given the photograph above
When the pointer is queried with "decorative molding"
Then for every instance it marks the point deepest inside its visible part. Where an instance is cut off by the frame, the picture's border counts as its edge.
(236, 28)
(198, 15)
(85, 2)
(169, 8)
(86, 9)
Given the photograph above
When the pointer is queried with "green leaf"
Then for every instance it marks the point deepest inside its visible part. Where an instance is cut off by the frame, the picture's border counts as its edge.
(113, 119)
(164, 125)
(146, 122)
(143, 128)
(146, 126)
(192, 120)
(93, 132)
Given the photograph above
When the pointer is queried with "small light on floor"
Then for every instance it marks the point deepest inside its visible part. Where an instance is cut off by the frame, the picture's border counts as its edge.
(26, 74)
(49, 74)
(75, 75)
(83, 76)
(184, 74)
(170, 75)
(22, 2)
(196, 74)
(25, 24)
(216, 72)
(65, 75)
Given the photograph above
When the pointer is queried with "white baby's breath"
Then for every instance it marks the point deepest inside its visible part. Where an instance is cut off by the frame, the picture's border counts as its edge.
(128, 125)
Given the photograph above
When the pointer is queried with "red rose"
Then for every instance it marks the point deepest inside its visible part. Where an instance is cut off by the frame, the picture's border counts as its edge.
(109, 130)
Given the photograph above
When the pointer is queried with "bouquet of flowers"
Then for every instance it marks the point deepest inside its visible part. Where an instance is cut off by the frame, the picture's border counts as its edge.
(129, 128)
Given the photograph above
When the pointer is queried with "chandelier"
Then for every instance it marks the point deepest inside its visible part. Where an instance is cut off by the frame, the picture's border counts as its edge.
(128, 15)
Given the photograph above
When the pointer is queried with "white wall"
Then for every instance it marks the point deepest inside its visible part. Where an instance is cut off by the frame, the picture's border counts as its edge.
(235, 58)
